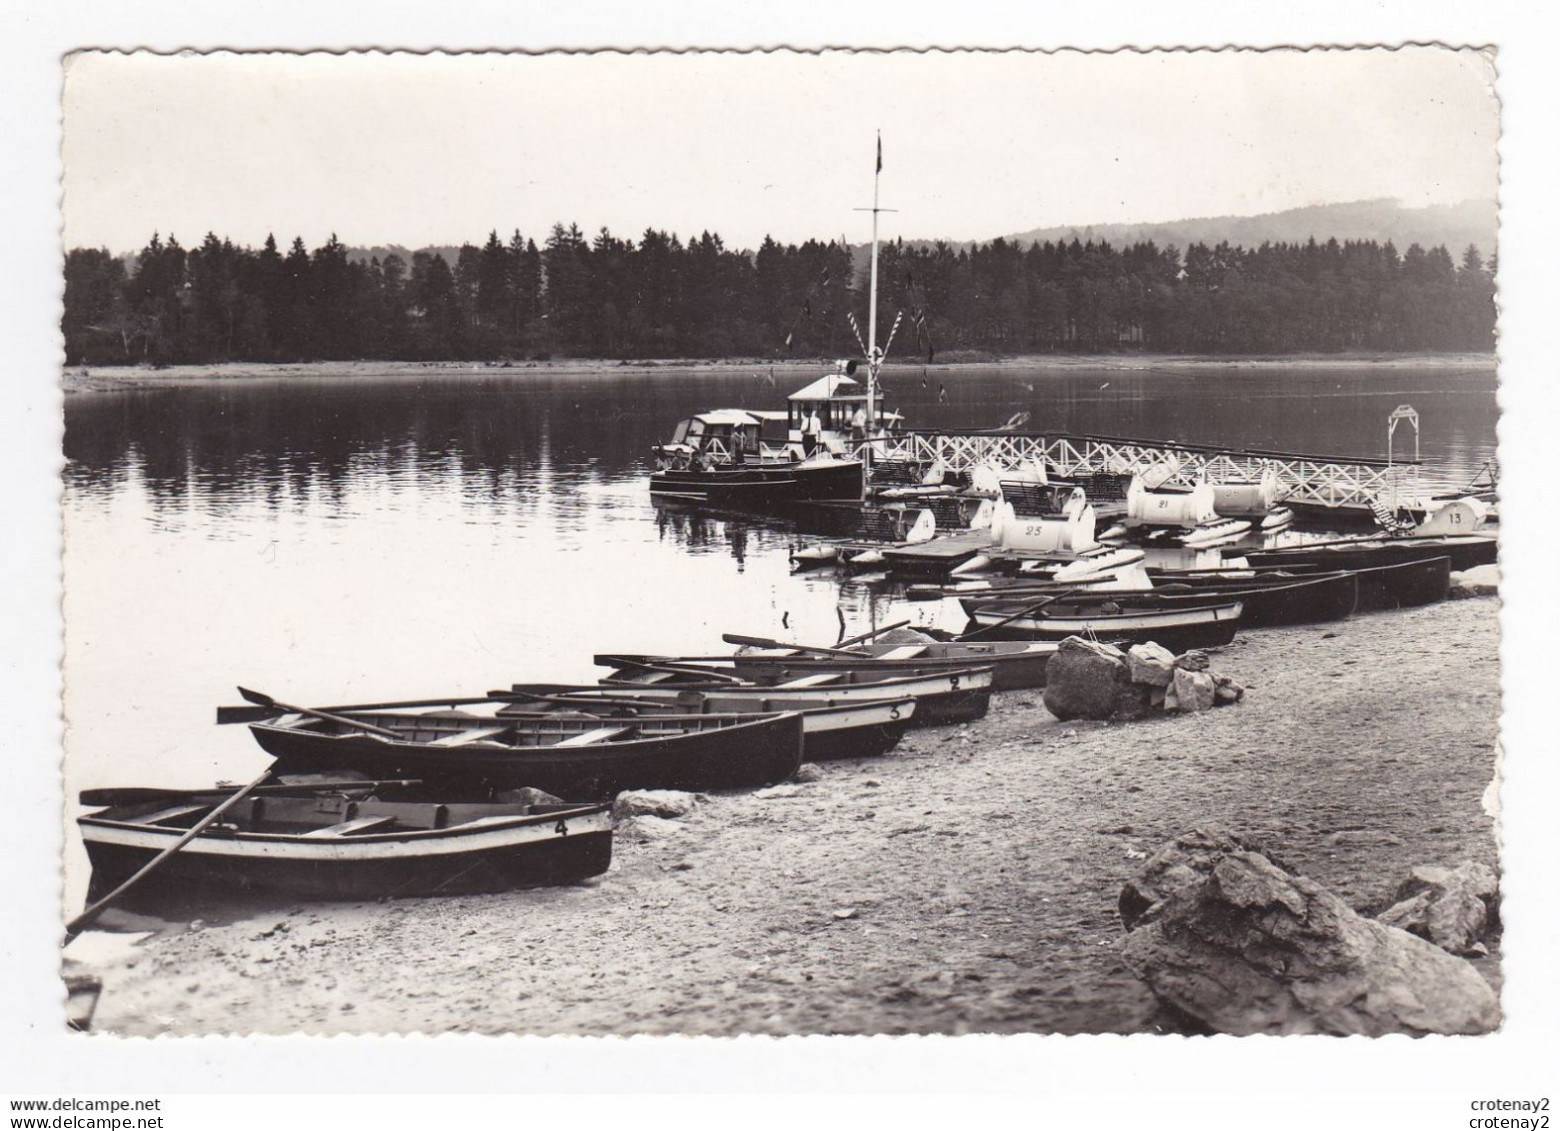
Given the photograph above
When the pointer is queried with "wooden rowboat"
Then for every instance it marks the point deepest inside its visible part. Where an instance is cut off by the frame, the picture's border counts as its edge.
(1015, 664)
(1266, 600)
(1404, 584)
(335, 846)
(573, 757)
(833, 727)
(947, 695)
(1201, 626)
(1465, 551)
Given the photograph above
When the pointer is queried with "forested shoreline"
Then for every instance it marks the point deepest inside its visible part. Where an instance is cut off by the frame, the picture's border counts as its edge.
(661, 298)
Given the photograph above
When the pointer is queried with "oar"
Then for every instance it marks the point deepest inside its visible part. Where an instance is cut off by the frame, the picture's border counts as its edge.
(1024, 612)
(865, 636)
(235, 714)
(579, 699)
(761, 642)
(90, 915)
(674, 669)
(137, 795)
(262, 700)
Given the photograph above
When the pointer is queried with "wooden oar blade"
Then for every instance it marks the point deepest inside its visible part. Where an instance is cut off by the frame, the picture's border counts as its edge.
(259, 698)
(229, 715)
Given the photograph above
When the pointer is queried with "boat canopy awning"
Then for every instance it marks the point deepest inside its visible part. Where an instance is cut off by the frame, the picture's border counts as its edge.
(830, 387)
(735, 417)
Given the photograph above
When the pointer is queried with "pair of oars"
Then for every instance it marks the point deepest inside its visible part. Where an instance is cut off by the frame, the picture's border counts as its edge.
(840, 649)
(92, 912)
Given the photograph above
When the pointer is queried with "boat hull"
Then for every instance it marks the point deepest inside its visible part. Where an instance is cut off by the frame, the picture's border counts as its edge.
(955, 695)
(744, 755)
(1011, 669)
(1405, 584)
(556, 848)
(1464, 553)
(1297, 600)
(764, 484)
(1176, 629)
(833, 727)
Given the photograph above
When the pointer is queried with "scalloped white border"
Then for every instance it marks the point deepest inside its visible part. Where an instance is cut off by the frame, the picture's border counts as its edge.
(1102, 1080)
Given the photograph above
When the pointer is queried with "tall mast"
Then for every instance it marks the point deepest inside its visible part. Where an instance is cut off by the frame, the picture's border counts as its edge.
(872, 350)
(873, 357)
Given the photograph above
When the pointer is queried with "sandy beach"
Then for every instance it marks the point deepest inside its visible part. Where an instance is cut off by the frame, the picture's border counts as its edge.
(966, 882)
(84, 379)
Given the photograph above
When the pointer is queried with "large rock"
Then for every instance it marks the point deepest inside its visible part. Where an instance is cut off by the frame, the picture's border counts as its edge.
(1151, 664)
(1244, 946)
(1452, 907)
(1181, 864)
(529, 795)
(653, 803)
(1194, 690)
(1193, 660)
(1089, 680)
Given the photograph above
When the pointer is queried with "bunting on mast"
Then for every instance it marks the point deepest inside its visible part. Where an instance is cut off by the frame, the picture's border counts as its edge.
(856, 329)
(892, 330)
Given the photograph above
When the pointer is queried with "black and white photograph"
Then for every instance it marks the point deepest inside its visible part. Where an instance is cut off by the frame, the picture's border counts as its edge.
(782, 543)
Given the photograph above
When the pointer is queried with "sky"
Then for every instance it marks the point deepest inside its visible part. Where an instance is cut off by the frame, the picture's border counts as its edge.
(440, 149)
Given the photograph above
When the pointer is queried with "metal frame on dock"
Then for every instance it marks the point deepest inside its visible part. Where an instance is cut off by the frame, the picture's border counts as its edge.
(1325, 480)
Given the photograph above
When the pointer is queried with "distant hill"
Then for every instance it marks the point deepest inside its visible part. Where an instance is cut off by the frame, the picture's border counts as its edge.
(1455, 225)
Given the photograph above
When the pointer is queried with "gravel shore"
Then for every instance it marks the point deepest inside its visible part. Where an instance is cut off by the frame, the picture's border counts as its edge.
(966, 882)
(85, 379)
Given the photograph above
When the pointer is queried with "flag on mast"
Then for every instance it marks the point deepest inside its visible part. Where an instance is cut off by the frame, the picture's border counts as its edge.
(880, 153)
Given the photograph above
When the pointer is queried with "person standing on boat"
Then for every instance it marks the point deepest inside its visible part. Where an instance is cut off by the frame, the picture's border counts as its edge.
(858, 424)
(811, 431)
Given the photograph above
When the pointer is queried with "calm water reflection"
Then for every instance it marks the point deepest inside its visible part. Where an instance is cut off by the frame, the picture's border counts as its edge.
(328, 540)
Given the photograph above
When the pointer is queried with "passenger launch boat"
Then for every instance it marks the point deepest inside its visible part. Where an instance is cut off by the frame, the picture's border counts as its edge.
(724, 458)
(343, 846)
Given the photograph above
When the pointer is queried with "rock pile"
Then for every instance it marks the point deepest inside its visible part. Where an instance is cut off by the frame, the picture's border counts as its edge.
(1090, 680)
(1226, 935)
(1452, 907)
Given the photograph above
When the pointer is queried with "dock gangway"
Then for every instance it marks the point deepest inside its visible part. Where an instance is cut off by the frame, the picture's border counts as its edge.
(1325, 480)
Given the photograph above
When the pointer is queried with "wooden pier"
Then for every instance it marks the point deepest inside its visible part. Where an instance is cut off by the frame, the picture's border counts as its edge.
(1323, 480)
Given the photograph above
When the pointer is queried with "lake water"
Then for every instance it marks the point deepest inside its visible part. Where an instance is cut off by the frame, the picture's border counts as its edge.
(333, 540)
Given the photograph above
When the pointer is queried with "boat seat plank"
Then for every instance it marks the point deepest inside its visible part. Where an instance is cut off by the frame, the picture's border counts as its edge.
(810, 680)
(600, 734)
(479, 822)
(349, 828)
(172, 813)
(462, 737)
(904, 652)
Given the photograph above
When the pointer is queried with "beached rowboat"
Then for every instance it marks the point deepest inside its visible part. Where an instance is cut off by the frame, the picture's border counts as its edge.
(334, 846)
(578, 758)
(1465, 551)
(1015, 664)
(833, 727)
(1202, 626)
(946, 695)
(1404, 584)
(1267, 600)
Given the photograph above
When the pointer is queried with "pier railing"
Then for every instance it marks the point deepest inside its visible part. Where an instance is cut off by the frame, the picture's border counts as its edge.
(1330, 480)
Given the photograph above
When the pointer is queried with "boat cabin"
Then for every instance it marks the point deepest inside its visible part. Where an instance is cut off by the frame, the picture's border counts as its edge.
(720, 438)
(829, 415)
(832, 413)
